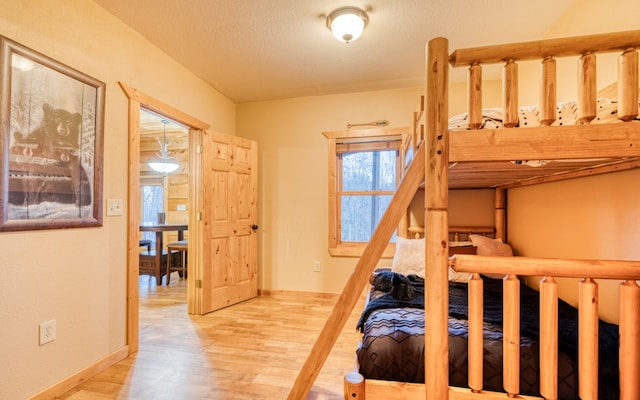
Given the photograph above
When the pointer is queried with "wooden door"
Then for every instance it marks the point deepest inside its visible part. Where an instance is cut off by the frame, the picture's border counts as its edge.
(230, 217)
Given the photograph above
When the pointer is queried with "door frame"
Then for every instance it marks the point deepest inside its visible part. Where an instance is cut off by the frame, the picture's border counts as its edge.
(138, 100)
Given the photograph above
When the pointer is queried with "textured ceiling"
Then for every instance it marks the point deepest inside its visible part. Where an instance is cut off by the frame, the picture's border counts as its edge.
(274, 49)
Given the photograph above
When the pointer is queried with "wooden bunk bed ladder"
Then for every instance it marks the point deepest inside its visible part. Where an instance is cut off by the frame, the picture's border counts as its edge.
(357, 281)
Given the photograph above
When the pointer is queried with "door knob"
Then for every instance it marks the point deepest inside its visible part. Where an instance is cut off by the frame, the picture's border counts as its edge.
(254, 227)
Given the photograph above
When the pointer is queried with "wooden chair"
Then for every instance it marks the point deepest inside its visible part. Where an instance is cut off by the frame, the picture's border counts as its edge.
(147, 264)
(178, 259)
(145, 243)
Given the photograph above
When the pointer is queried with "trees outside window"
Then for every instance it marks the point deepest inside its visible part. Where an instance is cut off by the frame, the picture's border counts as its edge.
(362, 180)
(368, 183)
(151, 203)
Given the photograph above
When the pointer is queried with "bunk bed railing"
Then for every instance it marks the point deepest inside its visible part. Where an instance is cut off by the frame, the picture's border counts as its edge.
(582, 141)
(570, 142)
(585, 47)
(565, 268)
(629, 325)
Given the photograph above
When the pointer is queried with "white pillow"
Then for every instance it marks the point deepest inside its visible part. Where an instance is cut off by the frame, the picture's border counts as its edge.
(462, 277)
(409, 259)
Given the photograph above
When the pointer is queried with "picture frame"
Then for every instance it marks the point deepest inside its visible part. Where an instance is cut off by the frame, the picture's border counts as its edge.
(51, 142)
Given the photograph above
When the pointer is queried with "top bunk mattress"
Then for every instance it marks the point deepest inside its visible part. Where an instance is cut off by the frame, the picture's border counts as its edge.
(465, 175)
(529, 116)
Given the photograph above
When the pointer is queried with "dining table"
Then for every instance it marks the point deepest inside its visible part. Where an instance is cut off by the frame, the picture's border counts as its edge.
(160, 229)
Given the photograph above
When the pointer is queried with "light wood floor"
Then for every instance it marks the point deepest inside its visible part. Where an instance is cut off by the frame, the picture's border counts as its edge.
(252, 350)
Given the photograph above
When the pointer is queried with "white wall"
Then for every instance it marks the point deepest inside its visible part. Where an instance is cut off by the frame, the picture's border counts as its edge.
(78, 276)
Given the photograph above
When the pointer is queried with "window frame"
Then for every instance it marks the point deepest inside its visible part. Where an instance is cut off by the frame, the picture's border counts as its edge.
(156, 181)
(359, 140)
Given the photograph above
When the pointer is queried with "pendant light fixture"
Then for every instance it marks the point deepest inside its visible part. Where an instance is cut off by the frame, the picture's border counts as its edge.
(347, 23)
(164, 166)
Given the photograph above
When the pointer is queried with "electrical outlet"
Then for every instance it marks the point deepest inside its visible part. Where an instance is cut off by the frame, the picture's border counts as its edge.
(47, 331)
(316, 266)
(114, 207)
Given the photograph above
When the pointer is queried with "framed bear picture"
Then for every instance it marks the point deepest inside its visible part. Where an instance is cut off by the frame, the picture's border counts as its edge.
(51, 137)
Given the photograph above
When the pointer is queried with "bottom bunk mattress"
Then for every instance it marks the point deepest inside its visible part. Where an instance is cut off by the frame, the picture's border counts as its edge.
(392, 346)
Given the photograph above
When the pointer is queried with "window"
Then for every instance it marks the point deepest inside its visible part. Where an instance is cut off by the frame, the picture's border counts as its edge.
(151, 203)
(363, 180)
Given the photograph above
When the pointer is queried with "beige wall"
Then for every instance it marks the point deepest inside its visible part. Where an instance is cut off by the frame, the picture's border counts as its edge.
(293, 160)
(78, 276)
(596, 217)
(294, 181)
(589, 218)
(468, 207)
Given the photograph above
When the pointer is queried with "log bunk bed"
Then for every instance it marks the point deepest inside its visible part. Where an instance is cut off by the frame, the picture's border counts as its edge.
(487, 156)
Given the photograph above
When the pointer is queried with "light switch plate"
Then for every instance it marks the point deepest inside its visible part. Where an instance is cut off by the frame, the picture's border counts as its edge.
(114, 207)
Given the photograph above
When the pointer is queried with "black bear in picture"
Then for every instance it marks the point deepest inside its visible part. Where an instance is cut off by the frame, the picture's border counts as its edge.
(58, 131)
(45, 163)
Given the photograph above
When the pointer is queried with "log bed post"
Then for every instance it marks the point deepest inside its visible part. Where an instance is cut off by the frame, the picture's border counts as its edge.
(511, 330)
(476, 343)
(436, 222)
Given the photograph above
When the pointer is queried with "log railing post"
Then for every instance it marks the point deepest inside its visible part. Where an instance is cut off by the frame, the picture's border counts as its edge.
(475, 96)
(511, 328)
(628, 85)
(587, 90)
(549, 338)
(588, 339)
(547, 91)
(629, 340)
(510, 94)
(476, 342)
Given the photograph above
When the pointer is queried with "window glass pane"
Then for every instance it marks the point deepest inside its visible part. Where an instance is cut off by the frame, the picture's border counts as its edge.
(151, 204)
(360, 216)
(369, 170)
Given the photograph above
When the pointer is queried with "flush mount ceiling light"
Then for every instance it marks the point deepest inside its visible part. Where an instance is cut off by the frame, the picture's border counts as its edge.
(164, 166)
(347, 23)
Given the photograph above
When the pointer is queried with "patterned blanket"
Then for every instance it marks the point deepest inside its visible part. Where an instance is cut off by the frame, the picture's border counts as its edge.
(392, 347)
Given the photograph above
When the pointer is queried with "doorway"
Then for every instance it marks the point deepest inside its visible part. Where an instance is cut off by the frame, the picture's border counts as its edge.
(138, 101)
(164, 198)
